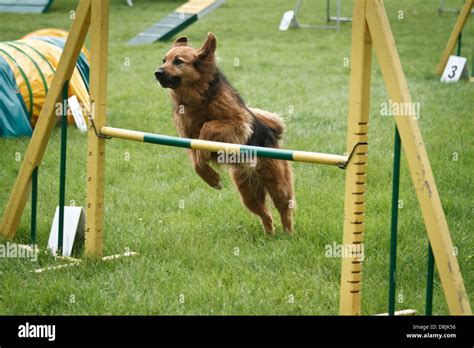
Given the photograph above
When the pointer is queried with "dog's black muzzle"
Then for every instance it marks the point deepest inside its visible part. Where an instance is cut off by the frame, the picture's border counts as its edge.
(167, 81)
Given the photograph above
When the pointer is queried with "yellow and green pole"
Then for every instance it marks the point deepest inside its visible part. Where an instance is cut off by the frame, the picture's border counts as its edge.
(213, 146)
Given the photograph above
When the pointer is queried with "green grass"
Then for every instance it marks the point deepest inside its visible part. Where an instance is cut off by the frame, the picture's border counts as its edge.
(190, 251)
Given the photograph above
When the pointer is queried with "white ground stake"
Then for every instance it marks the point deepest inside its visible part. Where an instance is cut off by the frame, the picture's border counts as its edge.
(288, 20)
(74, 224)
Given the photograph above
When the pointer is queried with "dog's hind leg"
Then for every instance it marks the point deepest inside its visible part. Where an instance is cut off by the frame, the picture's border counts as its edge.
(280, 189)
(253, 196)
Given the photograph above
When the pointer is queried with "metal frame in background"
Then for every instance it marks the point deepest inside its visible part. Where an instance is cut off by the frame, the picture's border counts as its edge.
(455, 36)
(338, 19)
(442, 10)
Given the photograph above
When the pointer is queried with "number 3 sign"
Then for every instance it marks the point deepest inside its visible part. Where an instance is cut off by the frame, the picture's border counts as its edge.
(455, 69)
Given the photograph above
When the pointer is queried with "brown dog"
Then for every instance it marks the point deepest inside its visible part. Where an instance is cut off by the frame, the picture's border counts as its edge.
(207, 107)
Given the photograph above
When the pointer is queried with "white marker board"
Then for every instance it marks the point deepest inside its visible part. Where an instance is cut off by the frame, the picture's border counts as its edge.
(74, 225)
(455, 69)
(76, 110)
(286, 20)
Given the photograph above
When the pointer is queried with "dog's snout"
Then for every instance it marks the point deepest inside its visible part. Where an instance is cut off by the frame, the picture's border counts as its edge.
(159, 73)
(167, 80)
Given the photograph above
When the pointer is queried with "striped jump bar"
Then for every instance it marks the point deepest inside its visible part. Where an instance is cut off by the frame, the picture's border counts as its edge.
(213, 146)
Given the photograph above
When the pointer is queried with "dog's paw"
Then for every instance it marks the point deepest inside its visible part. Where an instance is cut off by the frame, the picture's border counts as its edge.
(214, 180)
(217, 186)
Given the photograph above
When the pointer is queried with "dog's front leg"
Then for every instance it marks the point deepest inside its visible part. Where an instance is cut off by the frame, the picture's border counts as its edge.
(217, 130)
(204, 170)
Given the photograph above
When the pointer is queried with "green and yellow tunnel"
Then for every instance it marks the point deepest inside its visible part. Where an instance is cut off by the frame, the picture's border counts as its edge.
(27, 68)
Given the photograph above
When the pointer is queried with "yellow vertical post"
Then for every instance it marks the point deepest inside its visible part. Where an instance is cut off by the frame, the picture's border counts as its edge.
(357, 133)
(96, 145)
(418, 162)
(47, 120)
(458, 27)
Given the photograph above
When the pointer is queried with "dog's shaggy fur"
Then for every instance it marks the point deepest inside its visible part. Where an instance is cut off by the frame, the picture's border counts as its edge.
(207, 107)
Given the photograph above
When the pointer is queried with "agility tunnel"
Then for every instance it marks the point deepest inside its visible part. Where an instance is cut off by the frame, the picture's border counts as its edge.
(27, 68)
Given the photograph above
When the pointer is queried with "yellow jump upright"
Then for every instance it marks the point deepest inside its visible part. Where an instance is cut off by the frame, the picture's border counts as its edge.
(371, 31)
(356, 172)
(96, 145)
(371, 27)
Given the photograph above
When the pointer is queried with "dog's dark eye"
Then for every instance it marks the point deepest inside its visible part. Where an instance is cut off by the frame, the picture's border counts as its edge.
(177, 61)
(164, 60)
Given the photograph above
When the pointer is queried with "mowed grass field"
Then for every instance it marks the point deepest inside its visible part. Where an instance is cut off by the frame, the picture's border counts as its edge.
(200, 251)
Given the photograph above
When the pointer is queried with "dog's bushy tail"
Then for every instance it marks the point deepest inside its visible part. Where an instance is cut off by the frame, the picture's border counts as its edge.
(269, 119)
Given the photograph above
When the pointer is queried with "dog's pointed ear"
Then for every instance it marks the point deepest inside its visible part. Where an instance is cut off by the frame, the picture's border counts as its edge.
(180, 41)
(208, 48)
